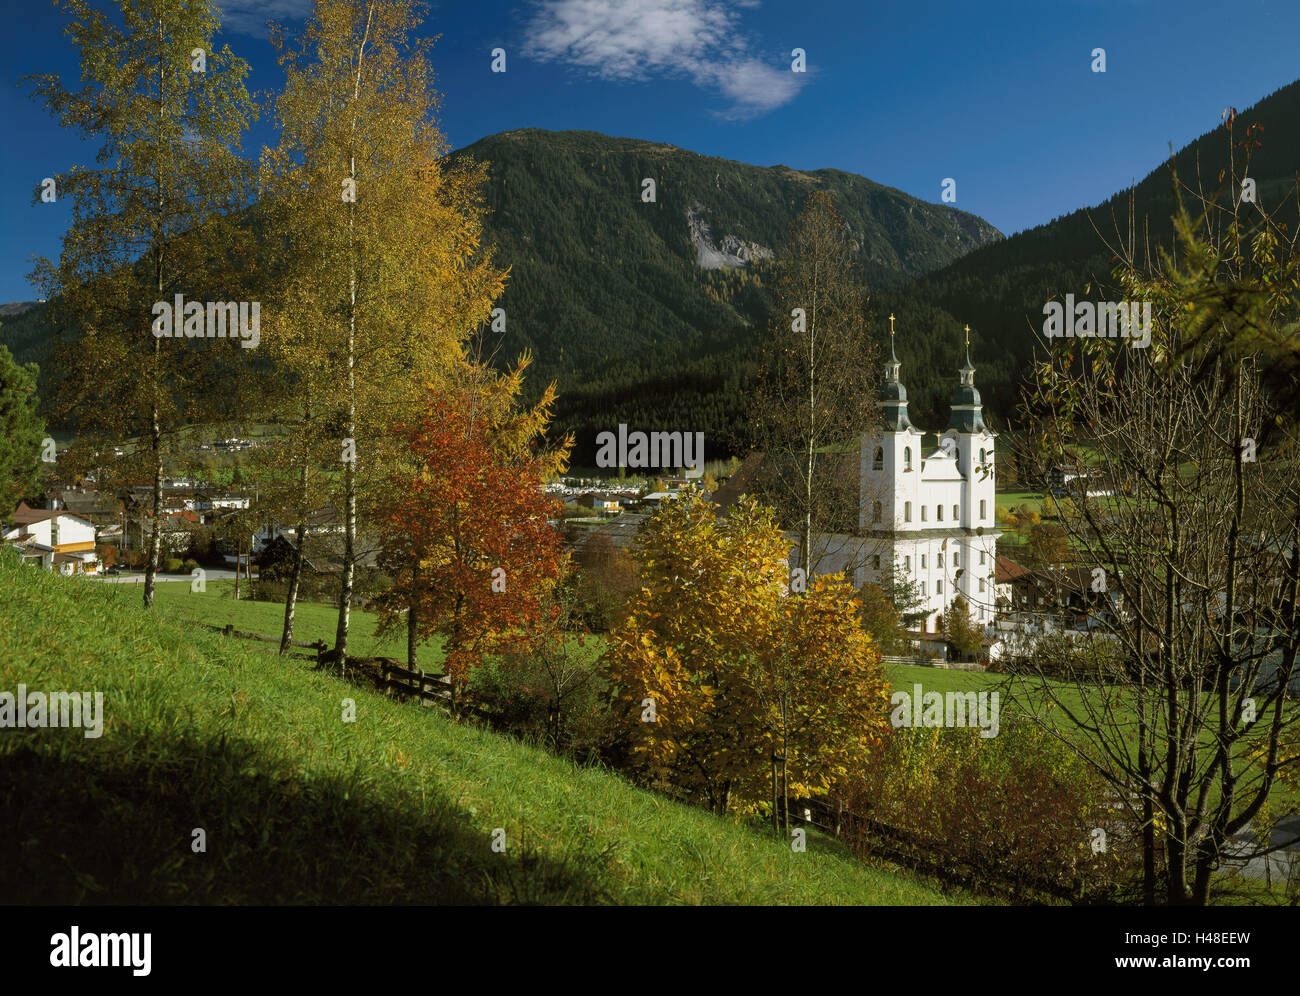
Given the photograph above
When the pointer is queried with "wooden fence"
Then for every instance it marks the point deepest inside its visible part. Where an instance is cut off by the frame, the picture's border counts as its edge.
(383, 673)
(390, 677)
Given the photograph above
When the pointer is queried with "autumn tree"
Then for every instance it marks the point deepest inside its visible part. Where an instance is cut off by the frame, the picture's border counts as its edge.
(818, 393)
(823, 693)
(470, 542)
(683, 661)
(1049, 546)
(377, 242)
(291, 483)
(154, 218)
(553, 685)
(605, 582)
(725, 679)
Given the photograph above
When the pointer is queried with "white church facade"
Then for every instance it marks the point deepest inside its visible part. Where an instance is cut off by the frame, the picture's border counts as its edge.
(929, 518)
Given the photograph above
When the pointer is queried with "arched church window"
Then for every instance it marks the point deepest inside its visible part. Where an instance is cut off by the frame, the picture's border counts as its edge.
(878, 459)
(875, 511)
(907, 458)
(907, 511)
(983, 459)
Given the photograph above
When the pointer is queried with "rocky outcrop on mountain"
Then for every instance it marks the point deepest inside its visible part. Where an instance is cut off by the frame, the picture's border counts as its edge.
(732, 252)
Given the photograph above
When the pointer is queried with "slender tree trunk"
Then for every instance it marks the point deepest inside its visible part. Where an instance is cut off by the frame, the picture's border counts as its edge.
(349, 534)
(239, 553)
(1148, 824)
(349, 471)
(776, 809)
(295, 573)
(785, 770)
(1176, 864)
(155, 533)
(806, 551)
(412, 616)
(155, 427)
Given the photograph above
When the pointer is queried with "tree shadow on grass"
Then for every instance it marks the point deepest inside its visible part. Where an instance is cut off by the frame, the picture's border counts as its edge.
(95, 827)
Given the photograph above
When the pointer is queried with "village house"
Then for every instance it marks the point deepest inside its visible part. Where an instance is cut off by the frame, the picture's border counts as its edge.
(320, 522)
(600, 502)
(54, 539)
(1010, 579)
(208, 502)
(100, 508)
(179, 524)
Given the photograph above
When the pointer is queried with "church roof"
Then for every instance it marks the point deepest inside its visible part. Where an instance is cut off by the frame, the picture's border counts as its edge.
(894, 415)
(968, 420)
(967, 416)
(893, 395)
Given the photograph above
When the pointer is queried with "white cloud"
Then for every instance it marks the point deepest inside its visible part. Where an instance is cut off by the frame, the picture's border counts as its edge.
(756, 88)
(249, 17)
(699, 40)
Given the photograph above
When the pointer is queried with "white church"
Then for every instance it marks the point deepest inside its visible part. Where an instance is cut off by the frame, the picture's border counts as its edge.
(930, 516)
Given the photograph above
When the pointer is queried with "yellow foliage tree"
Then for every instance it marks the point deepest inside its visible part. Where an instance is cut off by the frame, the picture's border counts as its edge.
(722, 673)
(383, 274)
(823, 691)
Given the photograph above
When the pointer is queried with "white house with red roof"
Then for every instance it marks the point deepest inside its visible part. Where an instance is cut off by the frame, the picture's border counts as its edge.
(54, 538)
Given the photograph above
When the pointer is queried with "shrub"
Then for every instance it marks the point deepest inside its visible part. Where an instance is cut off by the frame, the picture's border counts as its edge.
(173, 565)
(555, 696)
(1014, 812)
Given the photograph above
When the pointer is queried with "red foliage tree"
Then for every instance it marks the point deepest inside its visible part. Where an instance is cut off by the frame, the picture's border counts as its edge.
(467, 534)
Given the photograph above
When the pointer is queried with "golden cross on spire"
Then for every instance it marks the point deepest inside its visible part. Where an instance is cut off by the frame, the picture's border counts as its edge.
(968, 337)
(891, 325)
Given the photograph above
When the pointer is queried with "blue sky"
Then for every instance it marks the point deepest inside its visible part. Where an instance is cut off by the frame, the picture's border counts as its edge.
(996, 94)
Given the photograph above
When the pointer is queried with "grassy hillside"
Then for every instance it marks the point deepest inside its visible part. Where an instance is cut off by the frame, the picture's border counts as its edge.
(301, 807)
(312, 620)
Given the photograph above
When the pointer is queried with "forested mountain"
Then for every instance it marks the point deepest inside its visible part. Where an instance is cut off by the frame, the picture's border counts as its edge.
(1001, 289)
(652, 313)
(695, 368)
(644, 311)
(648, 312)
